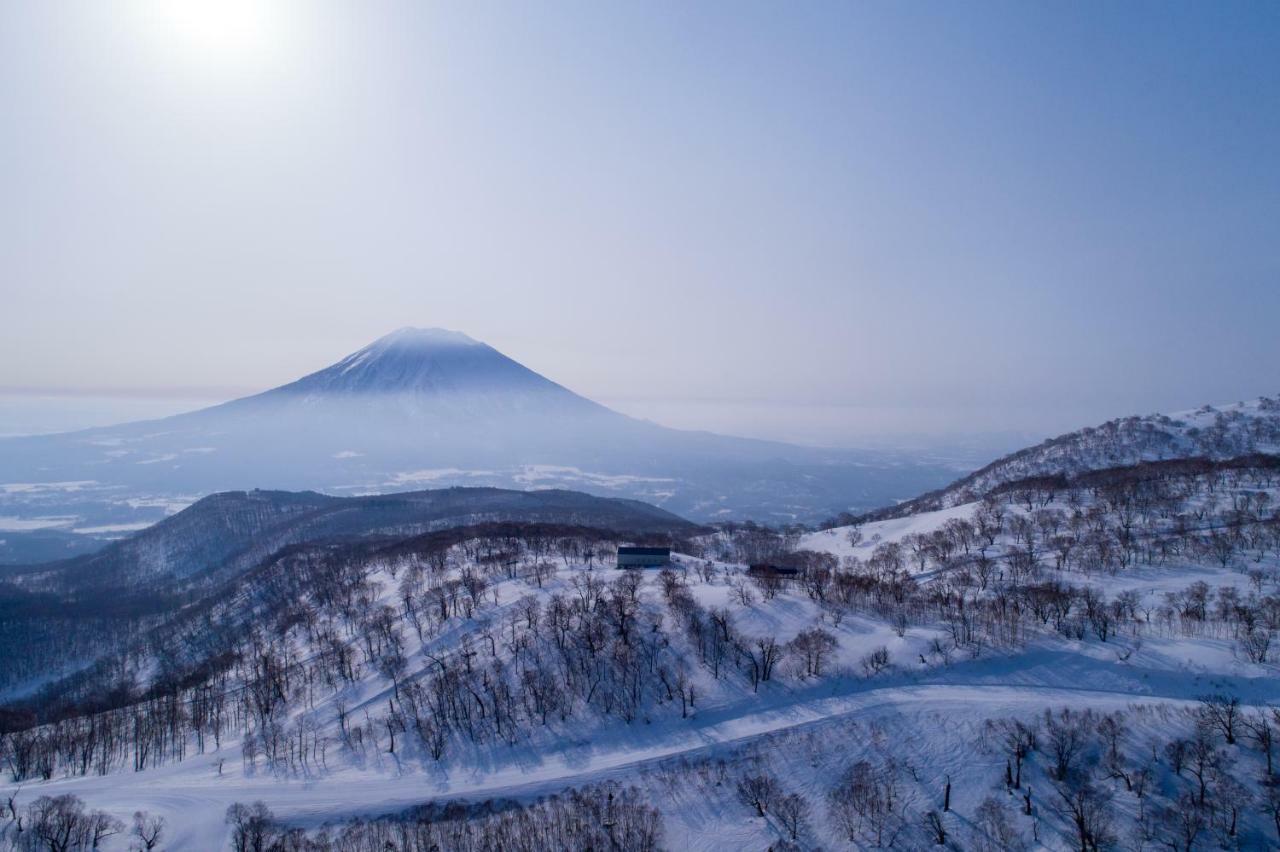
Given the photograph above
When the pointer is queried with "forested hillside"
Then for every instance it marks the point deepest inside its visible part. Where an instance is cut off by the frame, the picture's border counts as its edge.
(57, 618)
(1074, 661)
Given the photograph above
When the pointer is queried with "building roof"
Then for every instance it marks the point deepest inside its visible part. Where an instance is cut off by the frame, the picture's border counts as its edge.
(762, 568)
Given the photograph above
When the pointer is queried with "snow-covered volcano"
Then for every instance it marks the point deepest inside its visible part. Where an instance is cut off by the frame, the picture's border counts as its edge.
(432, 362)
(425, 408)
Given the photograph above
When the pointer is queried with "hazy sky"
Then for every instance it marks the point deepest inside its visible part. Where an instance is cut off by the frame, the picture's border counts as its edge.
(821, 221)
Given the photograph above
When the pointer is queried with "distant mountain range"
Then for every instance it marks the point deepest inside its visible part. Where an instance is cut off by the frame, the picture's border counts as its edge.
(426, 408)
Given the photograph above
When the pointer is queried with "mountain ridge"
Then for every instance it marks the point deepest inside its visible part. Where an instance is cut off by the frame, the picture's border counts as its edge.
(228, 531)
(1210, 433)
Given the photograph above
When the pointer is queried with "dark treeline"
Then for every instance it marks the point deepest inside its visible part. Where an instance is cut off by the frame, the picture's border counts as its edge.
(43, 633)
(601, 817)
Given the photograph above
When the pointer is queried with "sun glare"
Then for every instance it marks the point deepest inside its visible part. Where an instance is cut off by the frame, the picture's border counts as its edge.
(217, 29)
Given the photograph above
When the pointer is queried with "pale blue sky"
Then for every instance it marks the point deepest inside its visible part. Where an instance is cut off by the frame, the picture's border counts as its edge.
(834, 220)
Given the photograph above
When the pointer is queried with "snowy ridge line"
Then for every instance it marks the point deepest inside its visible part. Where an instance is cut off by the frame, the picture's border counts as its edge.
(1235, 433)
(1199, 466)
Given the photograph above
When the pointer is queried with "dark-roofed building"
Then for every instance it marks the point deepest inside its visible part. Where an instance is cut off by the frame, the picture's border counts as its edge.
(643, 557)
(781, 572)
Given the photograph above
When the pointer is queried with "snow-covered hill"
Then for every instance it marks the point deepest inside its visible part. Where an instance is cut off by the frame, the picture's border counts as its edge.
(1213, 433)
(228, 532)
(58, 618)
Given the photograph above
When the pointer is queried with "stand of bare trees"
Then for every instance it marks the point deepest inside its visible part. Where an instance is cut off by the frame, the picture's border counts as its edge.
(603, 817)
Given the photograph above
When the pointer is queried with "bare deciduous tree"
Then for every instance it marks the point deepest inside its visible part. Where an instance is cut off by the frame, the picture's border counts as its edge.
(758, 791)
(792, 811)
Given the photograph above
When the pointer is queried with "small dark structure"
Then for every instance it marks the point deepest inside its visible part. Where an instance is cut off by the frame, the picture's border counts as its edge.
(778, 572)
(643, 557)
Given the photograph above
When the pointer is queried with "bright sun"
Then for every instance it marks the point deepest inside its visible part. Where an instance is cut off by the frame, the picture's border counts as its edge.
(217, 28)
